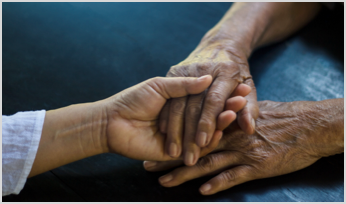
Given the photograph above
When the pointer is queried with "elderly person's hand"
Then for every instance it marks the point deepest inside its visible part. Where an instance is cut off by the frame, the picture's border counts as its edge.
(190, 121)
(289, 136)
(223, 52)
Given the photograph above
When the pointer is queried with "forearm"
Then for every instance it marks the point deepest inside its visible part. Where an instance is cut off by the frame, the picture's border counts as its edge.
(70, 134)
(247, 26)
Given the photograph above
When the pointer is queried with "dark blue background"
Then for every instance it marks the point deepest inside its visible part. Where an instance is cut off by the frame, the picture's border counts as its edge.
(57, 54)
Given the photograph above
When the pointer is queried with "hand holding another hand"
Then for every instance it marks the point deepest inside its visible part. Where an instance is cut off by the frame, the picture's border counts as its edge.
(125, 123)
(132, 126)
(190, 121)
(289, 136)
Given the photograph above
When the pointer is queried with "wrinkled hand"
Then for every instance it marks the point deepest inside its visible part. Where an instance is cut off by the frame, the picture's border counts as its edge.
(132, 127)
(190, 121)
(289, 136)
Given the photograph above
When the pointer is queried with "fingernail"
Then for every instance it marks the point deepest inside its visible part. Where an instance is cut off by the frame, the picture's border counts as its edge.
(189, 159)
(253, 124)
(166, 178)
(202, 77)
(149, 164)
(202, 139)
(205, 188)
(173, 150)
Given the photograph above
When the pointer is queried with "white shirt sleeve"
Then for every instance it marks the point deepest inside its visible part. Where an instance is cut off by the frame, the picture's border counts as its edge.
(21, 134)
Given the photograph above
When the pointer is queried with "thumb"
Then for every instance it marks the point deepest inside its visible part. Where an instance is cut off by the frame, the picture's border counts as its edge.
(174, 87)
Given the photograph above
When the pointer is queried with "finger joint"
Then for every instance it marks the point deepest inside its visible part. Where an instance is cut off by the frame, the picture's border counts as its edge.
(229, 176)
(193, 110)
(207, 163)
(216, 99)
(177, 108)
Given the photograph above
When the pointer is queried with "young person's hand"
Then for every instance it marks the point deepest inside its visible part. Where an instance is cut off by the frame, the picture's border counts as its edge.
(132, 114)
(125, 123)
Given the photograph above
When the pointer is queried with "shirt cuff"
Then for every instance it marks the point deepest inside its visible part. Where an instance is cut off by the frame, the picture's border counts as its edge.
(35, 141)
(21, 134)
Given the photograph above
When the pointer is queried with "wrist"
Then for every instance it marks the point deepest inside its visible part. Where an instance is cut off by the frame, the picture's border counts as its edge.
(217, 47)
(242, 27)
(70, 134)
(99, 126)
(85, 123)
(220, 38)
(334, 128)
(112, 125)
(217, 41)
(325, 121)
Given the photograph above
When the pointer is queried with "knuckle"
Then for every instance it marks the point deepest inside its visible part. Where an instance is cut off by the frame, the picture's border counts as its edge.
(207, 163)
(203, 67)
(229, 176)
(178, 71)
(182, 175)
(193, 110)
(248, 80)
(232, 73)
(206, 124)
(177, 108)
(245, 73)
(215, 99)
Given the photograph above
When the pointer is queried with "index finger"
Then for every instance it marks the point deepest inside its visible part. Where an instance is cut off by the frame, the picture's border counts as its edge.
(213, 105)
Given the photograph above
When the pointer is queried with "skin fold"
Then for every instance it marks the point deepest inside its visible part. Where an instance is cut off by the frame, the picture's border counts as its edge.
(176, 120)
(289, 136)
(200, 116)
(286, 137)
(223, 53)
(125, 123)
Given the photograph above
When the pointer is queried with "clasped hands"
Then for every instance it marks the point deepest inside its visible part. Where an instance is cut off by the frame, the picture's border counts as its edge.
(135, 123)
(181, 119)
(278, 146)
(132, 116)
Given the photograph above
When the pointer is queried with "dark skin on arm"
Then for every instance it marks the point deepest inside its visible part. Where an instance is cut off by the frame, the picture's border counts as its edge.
(254, 148)
(289, 136)
(223, 53)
